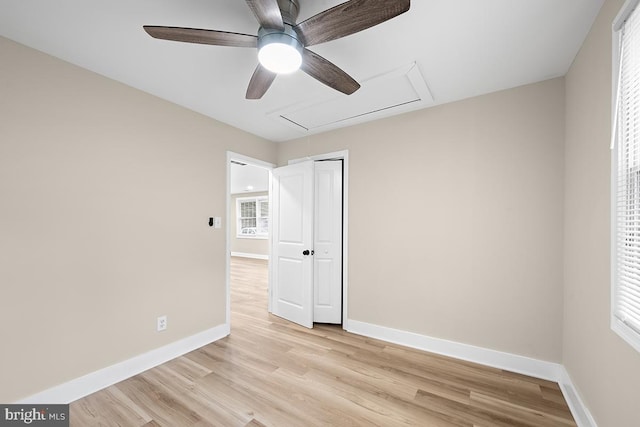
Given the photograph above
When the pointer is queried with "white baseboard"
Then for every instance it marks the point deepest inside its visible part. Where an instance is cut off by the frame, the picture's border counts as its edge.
(510, 362)
(247, 255)
(579, 410)
(95, 381)
(497, 359)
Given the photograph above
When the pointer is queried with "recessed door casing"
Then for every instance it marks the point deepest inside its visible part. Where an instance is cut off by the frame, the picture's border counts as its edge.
(306, 254)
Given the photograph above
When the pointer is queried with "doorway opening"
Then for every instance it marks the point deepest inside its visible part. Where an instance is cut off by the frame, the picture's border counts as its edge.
(248, 223)
(252, 227)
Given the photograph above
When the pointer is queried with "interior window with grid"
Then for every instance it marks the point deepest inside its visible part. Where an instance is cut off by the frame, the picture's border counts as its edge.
(625, 313)
(253, 217)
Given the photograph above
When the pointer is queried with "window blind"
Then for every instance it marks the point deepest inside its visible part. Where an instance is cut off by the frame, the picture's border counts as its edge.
(247, 216)
(263, 226)
(253, 217)
(626, 292)
(248, 209)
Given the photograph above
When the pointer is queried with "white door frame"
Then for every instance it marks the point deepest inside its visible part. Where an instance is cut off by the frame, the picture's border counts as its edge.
(253, 162)
(344, 156)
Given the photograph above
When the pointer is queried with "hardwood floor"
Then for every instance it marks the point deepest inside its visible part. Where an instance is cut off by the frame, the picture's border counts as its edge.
(269, 372)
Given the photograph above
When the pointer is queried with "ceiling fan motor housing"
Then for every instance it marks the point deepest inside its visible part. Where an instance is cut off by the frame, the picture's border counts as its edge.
(289, 10)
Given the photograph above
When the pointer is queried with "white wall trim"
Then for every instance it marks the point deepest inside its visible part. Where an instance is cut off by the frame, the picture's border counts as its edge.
(248, 255)
(497, 359)
(484, 356)
(624, 14)
(579, 410)
(80, 387)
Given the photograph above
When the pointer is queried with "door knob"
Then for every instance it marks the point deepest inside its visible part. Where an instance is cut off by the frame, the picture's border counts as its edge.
(305, 252)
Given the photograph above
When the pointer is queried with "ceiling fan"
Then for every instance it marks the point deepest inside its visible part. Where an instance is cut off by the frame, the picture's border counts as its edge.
(282, 44)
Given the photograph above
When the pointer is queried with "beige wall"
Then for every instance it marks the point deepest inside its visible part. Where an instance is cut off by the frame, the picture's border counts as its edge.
(604, 368)
(482, 181)
(105, 194)
(246, 246)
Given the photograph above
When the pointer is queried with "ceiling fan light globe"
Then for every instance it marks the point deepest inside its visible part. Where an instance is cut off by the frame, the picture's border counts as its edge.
(279, 51)
(280, 58)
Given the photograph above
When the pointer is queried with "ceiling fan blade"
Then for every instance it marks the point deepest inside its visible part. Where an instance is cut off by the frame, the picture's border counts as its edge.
(324, 71)
(349, 18)
(267, 13)
(195, 35)
(260, 82)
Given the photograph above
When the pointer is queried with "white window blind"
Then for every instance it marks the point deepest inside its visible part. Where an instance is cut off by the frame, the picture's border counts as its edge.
(626, 196)
(253, 217)
(247, 214)
(263, 224)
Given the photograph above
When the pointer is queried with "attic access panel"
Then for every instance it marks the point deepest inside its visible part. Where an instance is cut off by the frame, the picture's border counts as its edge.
(385, 95)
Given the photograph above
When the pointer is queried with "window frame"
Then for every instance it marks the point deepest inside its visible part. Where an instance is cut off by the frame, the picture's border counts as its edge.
(259, 201)
(627, 332)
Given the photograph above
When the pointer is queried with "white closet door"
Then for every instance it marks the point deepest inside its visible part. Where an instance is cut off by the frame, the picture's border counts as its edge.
(327, 260)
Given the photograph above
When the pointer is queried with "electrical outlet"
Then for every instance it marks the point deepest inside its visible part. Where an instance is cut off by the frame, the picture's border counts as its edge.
(162, 323)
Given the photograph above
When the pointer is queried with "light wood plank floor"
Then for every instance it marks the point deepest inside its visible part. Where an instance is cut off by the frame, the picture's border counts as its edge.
(269, 372)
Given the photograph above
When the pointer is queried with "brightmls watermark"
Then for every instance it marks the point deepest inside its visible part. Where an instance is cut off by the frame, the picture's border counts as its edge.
(34, 415)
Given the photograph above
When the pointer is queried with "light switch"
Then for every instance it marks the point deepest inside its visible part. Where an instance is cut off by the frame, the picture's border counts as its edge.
(217, 222)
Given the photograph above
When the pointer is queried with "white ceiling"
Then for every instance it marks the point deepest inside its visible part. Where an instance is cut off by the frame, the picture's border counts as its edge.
(248, 179)
(460, 48)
